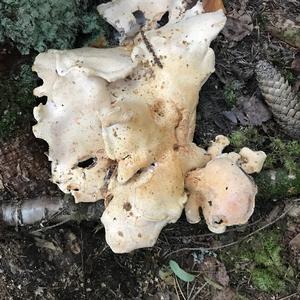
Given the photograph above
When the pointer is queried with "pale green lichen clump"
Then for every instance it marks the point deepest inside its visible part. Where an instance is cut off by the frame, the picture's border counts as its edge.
(40, 25)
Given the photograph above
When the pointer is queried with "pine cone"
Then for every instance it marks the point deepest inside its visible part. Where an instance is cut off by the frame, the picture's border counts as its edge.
(282, 101)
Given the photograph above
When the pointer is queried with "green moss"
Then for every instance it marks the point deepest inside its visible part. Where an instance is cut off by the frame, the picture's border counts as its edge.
(246, 137)
(283, 153)
(238, 139)
(40, 25)
(230, 95)
(289, 76)
(16, 101)
(264, 261)
(267, 281)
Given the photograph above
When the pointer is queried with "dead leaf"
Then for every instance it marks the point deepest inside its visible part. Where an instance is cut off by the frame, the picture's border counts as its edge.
(296, 86)
(296, 63)
(213, 5)
(99, 42)
(227, 294)
(215, 271)
(249, 111)
(237, 26)
(295, 242)
(47, 245)
(284, 29)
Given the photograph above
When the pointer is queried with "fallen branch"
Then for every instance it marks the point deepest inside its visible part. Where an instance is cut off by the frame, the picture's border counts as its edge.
(48, 209)
(272, 184)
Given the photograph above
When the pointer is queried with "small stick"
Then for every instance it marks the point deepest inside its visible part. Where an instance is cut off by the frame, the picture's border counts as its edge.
(151, 50)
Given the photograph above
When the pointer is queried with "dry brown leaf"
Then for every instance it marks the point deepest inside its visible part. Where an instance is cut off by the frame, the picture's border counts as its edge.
(227, 294)
(213, 5)
(296, 63)
(249, 111)
(284, 29)
(215, 271)
(237, 26)
(295, 242)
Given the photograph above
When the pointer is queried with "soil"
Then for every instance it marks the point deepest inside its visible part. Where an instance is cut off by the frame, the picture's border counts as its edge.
(72, 260)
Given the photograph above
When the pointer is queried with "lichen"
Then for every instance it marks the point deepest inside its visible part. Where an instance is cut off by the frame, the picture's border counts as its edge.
(40, 25)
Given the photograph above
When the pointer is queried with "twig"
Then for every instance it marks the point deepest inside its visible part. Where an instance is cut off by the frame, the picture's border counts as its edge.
(213, 283)
(288, 296)
(191, 292)
(180, 290)
(235, 242)
(50, 227)
(151, 50)
(175, 285)
(199, 290)
(82, 263)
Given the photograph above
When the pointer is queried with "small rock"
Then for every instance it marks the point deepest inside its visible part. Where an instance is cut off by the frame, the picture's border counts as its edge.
(295, 211)
(73, 243)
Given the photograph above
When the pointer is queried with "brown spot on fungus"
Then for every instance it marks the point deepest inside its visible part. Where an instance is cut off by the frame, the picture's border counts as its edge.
(127, 206)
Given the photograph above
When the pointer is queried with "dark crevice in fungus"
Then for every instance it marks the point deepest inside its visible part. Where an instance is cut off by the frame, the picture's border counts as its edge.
(164, 19)
(218, 222)
(88, 163)
(139, 17)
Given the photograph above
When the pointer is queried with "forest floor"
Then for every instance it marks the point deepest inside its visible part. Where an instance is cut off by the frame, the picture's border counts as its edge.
(259, 260)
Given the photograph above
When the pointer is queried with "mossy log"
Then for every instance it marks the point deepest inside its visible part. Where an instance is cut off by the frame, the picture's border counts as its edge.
(278, 184)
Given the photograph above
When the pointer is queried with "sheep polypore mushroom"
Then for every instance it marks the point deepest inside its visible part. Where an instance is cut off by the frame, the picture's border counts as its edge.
(252, 161)
(156, 106)
(128, 16)
(224, 192)
(76, 89)
(217, 146)
(140, 208)
(132, 109)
